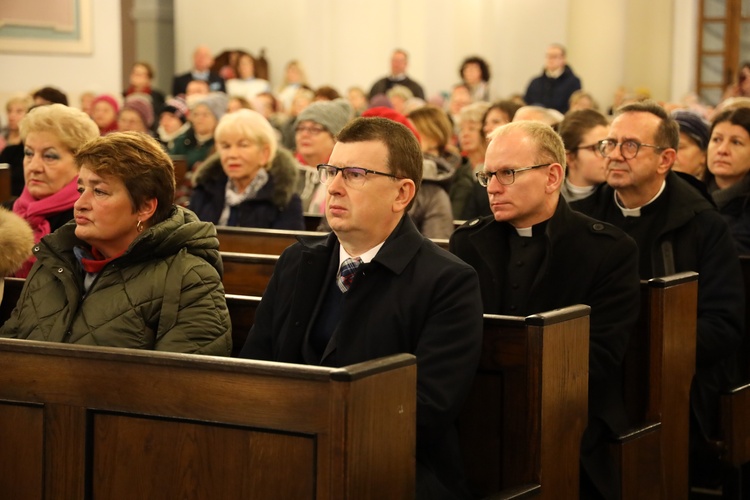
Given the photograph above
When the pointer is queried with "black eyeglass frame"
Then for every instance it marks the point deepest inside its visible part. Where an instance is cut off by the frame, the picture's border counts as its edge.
(324, 167)
(638, 145)
(595, 148)
(485, 178)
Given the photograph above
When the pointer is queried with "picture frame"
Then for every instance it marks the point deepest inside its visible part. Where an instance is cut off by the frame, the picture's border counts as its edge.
(46, 27)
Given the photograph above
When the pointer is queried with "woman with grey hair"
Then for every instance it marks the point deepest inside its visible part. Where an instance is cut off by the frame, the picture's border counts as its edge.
(250, 182)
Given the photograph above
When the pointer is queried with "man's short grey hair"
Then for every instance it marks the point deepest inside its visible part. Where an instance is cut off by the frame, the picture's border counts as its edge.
(550, 147)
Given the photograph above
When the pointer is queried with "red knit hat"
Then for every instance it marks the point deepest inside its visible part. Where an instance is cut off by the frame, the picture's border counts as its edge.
(392, 115)
(109, 100)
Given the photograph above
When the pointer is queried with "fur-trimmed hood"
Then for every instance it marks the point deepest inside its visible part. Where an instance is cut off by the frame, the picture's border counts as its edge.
(16, 242)
(283, 171)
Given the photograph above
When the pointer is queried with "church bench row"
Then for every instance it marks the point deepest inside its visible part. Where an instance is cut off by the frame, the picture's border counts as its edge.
(658, 370)
(513, 429)
(105, 423)
(268, 241)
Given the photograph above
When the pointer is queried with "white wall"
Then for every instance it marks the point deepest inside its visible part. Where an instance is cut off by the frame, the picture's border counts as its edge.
(349, 42)
(73, 74)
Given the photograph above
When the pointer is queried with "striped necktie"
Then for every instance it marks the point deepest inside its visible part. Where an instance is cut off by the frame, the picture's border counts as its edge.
(346, 273)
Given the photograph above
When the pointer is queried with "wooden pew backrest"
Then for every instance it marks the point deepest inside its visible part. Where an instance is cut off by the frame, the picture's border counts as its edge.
(247, 273)
(524, 418)
(5, 182)
(657, 373)
(259, 241)
(79, 422)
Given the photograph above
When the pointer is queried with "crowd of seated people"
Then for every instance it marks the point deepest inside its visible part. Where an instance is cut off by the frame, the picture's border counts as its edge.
(254, 154)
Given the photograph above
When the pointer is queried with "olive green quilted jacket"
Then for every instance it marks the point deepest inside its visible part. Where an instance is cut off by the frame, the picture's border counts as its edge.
(164, 293)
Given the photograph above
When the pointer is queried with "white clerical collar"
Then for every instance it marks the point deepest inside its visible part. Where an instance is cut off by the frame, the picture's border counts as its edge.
(524, 232)
(399, 77)
(636, 212)
(581, 191)
(366, 257)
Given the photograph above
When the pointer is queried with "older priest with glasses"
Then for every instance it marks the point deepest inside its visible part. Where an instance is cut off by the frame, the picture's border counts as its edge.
(676, 229)
(534, 254)
(376, 287)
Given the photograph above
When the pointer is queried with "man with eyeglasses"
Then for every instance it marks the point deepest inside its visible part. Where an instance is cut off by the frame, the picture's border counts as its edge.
(374, 287)
(676, 229)
(535, 254)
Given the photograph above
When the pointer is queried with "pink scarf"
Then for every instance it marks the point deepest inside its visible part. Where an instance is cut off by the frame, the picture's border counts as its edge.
(35, 212)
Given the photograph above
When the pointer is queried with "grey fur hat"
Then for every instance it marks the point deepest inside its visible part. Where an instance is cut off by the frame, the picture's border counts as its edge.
(216, 102)
(333, 115)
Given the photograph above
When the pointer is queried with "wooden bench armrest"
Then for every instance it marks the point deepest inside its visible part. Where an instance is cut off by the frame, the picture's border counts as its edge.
(517, 492)
(637, 433)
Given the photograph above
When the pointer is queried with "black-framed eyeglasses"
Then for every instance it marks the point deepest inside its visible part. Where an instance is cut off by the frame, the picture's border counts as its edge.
(310, 129)
(353, 176)
(506, 177)
(594, 148)
(629, 148)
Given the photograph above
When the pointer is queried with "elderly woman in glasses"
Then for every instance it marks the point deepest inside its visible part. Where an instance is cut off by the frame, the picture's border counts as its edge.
(581, 132)
(132, 270)
(251, 182)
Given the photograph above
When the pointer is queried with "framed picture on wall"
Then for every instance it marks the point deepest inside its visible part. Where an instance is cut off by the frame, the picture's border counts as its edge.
(45, 27)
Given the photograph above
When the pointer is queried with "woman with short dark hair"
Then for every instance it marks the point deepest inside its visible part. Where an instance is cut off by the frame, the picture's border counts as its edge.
(729, 164)
(132, 270)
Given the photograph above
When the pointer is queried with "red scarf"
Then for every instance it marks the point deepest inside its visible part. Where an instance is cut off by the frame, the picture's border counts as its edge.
(133, 90)
(35, 212)
(95, 265)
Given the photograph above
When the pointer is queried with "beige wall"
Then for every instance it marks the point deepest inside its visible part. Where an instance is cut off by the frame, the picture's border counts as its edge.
(639, 43)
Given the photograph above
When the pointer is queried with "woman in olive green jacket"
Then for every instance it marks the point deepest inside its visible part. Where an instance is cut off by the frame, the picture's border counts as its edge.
(132, 270)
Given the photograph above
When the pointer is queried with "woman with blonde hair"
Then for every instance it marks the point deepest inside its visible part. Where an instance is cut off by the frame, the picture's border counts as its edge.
(52, 136)
(436, 134)
(132, 270)
(250, 182)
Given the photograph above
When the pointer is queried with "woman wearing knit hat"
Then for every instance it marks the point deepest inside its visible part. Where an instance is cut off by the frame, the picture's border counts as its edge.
(315, 135)
(197, 143)
(104, 110)
(136, 115)
(691, 155)
(173, 122)
(250, 182)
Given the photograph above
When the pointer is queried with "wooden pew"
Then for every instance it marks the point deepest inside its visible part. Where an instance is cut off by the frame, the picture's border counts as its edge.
(247, 273)
(103, 423)
(268, 241)
(521, 427)
(522, 423)
(180, 168)
(255, 240)
(242, 312)
(657, 370)
(734, 439)
(514, 427)
(5, 183)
